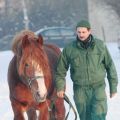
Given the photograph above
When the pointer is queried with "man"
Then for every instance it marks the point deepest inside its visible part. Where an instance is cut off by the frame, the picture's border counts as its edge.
(89, 61)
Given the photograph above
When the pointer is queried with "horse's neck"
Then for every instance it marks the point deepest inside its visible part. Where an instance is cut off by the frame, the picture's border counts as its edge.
(52, 56)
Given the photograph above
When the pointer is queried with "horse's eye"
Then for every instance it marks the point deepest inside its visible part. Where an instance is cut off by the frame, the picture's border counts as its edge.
(26, 65)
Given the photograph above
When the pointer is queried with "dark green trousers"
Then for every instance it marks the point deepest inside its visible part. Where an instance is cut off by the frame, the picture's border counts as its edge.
(91, 102)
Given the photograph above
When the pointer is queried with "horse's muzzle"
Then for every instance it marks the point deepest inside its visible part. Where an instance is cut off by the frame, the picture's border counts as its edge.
(40, 98)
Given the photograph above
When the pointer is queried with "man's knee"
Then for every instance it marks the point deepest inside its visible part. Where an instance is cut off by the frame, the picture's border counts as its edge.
(98, 116)
(99, 111)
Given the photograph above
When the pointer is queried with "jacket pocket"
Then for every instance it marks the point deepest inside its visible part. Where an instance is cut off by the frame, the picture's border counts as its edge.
(100, 93)
(75, 62)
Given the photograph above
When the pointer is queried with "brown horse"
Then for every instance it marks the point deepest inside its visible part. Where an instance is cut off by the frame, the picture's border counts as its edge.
(31, 79)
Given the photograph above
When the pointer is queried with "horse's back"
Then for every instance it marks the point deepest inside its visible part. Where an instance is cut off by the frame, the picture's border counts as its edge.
(12, 75)
(55, 48)
(53, 52)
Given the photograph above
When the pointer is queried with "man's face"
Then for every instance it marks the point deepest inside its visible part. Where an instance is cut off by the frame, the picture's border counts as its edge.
(83, 33)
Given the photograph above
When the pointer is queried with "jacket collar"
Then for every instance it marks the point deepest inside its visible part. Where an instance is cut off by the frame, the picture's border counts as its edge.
(89, 43)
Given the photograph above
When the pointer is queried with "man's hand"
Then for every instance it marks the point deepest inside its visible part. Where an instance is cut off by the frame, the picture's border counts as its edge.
(60, 94)
(112, 95)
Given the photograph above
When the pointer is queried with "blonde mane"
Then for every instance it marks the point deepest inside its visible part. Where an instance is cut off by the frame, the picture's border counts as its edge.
(18, 38)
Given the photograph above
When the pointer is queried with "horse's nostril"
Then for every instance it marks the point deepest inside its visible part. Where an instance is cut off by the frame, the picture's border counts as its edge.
(38, 93)
(40, 97)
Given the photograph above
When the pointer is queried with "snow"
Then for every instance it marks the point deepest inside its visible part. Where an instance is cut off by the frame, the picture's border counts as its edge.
(6, 111)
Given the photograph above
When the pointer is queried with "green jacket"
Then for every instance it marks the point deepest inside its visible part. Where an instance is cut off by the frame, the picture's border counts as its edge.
(88, 66)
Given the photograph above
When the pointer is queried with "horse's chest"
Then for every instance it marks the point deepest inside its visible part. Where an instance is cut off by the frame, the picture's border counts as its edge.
(22, 93)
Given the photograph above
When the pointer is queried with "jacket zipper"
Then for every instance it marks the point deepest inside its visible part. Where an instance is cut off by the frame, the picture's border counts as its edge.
(87, 67)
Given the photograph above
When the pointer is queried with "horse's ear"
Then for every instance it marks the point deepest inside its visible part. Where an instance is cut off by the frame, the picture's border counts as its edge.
(40, 40)
(25, 41)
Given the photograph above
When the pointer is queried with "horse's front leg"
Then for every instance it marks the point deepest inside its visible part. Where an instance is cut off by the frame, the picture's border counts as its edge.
(59, 109)
(44, 112)
(17, 110)
(32, 114)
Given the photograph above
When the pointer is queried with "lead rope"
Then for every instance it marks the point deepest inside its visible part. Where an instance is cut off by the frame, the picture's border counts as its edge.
(49, 110)
(70, 106)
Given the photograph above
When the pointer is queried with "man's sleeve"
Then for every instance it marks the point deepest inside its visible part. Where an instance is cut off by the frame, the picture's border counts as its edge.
(61, 70)
(111, 72)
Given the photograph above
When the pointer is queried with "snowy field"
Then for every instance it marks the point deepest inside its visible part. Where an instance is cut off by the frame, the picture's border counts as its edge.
(5, 107)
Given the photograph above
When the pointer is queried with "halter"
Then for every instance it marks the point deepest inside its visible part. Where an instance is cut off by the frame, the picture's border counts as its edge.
(31, 79)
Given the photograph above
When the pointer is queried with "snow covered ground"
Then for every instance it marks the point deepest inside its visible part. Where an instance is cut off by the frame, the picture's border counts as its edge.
(5, 107)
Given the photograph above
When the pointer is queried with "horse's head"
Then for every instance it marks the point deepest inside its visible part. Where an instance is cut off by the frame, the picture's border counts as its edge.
(33, 67)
